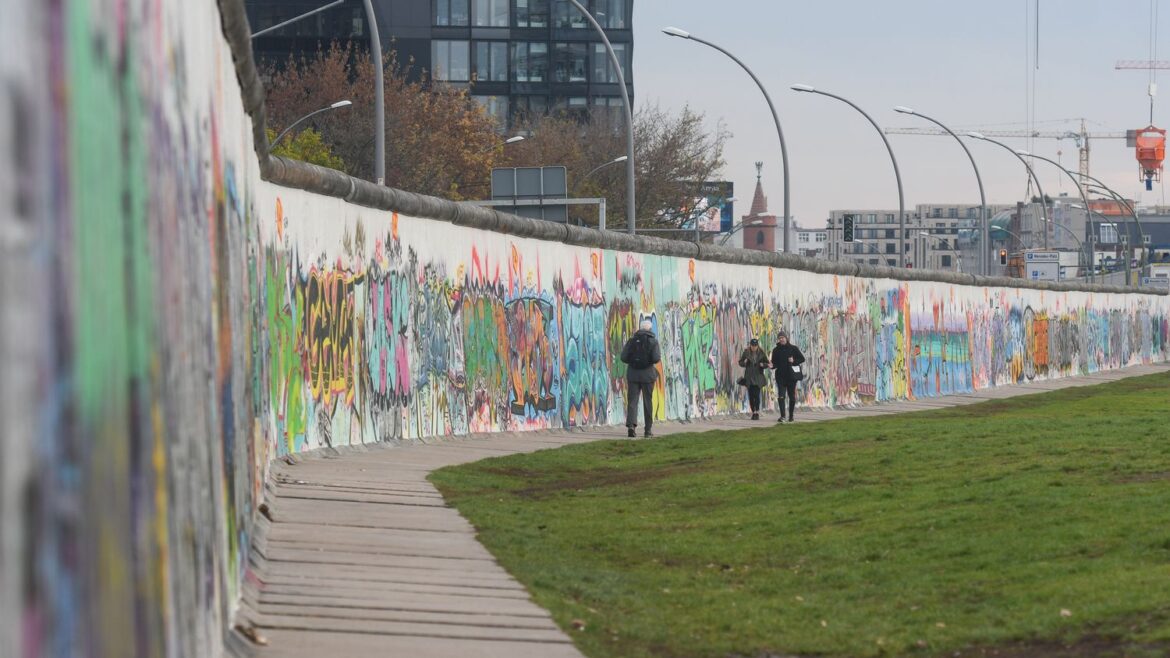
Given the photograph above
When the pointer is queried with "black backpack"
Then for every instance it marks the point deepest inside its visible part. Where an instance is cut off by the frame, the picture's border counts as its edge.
(640, 352)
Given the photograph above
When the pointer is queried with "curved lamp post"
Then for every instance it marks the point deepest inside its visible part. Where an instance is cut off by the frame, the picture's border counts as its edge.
(617, 67)
(1133, 213)
(683, 34)
(620, 158)
(1108, 221)
(1076, 183)
(958, 256)
(1127, 242)
(1020, 156)
(379, 87)
(985, 259)
(336, 106)
(1081, 243)
(897, 174)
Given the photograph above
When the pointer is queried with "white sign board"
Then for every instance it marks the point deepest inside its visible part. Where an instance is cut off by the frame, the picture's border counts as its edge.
(1042, 271)
(1031, 257)
(1160, 282)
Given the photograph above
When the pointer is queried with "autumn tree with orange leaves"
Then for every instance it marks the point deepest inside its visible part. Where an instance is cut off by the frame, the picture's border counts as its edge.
(437, 137)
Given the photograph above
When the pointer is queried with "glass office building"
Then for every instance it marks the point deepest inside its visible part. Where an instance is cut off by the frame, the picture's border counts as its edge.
(515, 56)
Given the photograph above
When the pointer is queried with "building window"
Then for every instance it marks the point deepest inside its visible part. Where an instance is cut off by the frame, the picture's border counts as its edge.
(566, 16)
(873, 261)
(802, 237)
(1146, 239)
(529, 61)
(891, 248)
(952, 212)
(891, 262)
(491, 61)
(944, 260)
(936, 212)
(890, 218)
(944, 244)
(891, 233)
(452, 12)
(759, 237)
(524, 107)
(871, 218)
(496, 107)
(450, 60)
(1108, 234)
(570, 62)
(490, 13)
(602, 70)
(531, 13)
(822, 237)
(611, 14)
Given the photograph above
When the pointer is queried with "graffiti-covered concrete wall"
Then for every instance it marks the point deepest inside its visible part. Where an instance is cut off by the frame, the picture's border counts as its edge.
(179, 309)
(379, 325)
(131, 453)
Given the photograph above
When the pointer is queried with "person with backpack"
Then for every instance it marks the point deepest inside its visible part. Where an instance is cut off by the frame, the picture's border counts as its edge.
(754, 361)
(786, 359)
(640, 354)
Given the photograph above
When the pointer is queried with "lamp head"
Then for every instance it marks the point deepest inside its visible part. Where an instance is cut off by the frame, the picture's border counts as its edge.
(975, 135)
(904, 110)
(675, 32)
(1026, 154)
(924, 233)
(339, 104)
(513, 140)
(621, 158)
(802, 87)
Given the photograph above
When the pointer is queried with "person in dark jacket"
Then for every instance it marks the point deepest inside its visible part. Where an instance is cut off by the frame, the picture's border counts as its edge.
(640, 377)
(754, 362)
(784, 356)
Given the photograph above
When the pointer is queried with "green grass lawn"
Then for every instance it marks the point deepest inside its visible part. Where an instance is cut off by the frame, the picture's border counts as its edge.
(1034, 526)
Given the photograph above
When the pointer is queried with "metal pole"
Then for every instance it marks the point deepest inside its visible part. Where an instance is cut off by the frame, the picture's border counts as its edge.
(675, 32)
(1080, 189)
(1133, 213)
(893, 160)
(617, 67)
(293, 20)
(601, 214)
(1043, 204)
(335, 106)
(379, 97)
(984, 237)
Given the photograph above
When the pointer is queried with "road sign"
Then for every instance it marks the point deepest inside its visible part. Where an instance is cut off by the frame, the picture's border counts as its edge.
(1042, 257)
(1156, 282)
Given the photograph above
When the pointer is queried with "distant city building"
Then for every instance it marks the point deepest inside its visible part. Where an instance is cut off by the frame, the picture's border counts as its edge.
(813, 243)
(876, 239)
(515, 56)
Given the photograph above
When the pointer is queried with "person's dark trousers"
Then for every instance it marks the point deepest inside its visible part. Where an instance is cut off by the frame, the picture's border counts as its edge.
(787, 389)
(754, 398)
(646, 391)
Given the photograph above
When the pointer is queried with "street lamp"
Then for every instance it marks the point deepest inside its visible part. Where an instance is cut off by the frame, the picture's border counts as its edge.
(985, 261)
(379, 86)
(1020, 156)
(1133, 213)
(294, 124)
(1125, 242)
(617, 67)
(951, 248)
(510, 140)
(620, 158)
(897, 174)
(1088, 255)
(683, 34)
(1076, 183)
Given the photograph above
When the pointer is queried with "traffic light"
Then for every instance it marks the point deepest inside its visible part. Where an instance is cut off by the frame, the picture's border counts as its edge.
(1003, 256)
(847, 228)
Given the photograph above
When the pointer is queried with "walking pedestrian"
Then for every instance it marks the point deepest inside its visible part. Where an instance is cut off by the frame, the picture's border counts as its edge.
(754, 362)
(786, 359)
(641, 353)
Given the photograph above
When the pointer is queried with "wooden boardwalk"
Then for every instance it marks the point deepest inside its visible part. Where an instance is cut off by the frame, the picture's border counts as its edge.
(360, 556)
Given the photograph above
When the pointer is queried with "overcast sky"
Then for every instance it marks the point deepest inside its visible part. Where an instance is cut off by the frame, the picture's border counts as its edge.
(966, 63)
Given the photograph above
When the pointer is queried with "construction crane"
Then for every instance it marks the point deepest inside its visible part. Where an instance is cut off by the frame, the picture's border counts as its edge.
(1081, 138)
